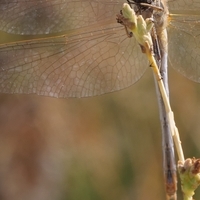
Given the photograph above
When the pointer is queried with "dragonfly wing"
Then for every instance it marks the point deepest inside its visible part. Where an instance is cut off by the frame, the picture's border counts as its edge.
(184, 38)
(43, 17)
(78, 64)
(179, 6)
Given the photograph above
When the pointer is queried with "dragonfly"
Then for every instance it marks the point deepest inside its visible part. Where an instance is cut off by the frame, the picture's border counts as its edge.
(75, 48)
(92, 54)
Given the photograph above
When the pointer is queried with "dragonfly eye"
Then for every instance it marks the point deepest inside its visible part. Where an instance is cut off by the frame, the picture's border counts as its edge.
(140, 1)
(141, 5)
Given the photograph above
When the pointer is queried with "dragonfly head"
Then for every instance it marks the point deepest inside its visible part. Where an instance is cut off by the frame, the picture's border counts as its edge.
(142, 7)
(156, 9)
(140, 3)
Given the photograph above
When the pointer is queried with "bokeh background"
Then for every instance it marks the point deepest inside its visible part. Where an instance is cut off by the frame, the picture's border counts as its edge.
(100, 148)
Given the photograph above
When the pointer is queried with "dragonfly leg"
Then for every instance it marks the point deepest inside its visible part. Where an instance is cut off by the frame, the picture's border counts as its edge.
(126, 23)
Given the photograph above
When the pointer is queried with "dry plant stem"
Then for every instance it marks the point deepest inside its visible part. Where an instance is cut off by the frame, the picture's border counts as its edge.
(173, 128)
(141, 29)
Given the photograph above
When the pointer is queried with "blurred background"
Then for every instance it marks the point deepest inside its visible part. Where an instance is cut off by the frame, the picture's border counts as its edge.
(99, 148)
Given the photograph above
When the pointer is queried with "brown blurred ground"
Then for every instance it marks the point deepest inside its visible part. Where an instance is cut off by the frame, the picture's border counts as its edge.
(106, 147)
(99, 148)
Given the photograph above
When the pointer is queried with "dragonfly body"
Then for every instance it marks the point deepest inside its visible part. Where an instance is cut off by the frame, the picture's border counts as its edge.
(153, 45)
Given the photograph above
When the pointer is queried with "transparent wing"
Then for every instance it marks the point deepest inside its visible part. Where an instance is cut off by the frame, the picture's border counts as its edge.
(184, 37)
(91, 60)
(30, 17)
